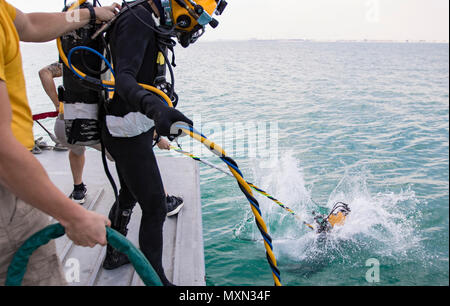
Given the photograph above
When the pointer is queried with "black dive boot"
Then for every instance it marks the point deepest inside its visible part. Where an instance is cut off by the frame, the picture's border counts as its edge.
(114, 259)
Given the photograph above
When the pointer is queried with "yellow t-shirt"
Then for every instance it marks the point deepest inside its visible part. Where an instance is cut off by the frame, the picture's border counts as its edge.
(11, 73)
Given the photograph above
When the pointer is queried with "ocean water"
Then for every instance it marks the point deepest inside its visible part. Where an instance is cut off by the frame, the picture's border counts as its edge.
(362, 123)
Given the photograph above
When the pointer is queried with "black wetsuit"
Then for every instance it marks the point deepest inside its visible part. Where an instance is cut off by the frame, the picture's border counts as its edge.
(134, 52)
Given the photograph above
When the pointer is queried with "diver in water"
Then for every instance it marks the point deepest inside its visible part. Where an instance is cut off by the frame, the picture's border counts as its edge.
(137, 39)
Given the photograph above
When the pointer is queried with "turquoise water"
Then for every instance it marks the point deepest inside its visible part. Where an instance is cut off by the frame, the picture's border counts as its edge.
(362, 123)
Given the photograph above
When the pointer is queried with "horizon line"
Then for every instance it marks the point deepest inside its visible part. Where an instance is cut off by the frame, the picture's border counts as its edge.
(308, 40)
(332, 40)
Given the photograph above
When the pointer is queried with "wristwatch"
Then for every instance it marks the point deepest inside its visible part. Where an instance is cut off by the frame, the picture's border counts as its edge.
(93, 19)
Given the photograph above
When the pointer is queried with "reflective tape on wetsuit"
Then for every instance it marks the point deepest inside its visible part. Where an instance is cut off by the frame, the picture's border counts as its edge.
(133, 124)
(73, 111)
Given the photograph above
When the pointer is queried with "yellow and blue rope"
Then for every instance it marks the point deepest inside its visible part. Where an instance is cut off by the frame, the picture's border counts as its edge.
(247, 190)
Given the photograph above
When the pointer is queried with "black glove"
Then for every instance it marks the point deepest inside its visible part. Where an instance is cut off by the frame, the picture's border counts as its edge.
(164, 116)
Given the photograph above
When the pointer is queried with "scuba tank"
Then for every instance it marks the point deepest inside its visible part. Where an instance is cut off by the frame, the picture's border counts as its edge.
(82, 100)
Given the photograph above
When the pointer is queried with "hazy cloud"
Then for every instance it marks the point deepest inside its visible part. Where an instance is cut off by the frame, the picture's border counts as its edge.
(317, 19)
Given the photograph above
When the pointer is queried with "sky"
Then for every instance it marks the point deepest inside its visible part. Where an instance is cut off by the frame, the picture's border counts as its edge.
(398, 20)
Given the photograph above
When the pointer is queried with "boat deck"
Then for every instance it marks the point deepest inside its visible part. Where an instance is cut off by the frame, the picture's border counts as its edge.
(183, 255)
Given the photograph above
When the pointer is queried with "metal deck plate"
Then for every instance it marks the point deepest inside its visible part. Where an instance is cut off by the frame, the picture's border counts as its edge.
(183, 255)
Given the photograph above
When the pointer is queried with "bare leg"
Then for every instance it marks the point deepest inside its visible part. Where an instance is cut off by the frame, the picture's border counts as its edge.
(77, 165)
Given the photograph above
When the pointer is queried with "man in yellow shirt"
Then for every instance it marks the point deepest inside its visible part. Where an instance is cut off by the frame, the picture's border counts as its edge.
(26, 192)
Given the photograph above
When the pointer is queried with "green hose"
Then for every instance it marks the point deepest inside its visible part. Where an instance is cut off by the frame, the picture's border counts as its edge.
(18, 266)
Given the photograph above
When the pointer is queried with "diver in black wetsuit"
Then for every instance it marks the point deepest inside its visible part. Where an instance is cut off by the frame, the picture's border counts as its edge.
(134, 52)
(132, 117)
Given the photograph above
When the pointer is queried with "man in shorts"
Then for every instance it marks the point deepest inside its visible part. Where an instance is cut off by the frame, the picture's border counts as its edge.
(76, 153)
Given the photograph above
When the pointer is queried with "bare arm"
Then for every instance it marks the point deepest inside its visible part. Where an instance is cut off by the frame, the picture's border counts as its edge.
(47, 74)
(42, 27)
(32, 184)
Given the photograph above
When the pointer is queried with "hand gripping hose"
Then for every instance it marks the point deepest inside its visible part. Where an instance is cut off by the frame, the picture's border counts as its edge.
(18, 266)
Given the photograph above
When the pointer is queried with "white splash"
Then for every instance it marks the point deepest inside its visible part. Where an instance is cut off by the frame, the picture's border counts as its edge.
(380, 224)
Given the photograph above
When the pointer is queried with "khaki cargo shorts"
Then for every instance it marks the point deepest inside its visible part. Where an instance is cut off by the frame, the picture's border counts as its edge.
(18, 221)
